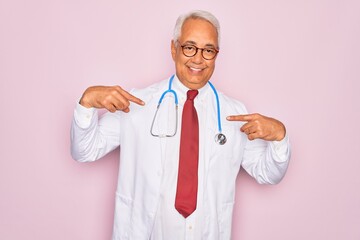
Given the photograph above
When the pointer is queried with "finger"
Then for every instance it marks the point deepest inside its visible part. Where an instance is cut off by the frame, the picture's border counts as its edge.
(122, 99)
(126, 110)
(122, 103)
(114, 107)
(110, 107)
(253, 136)
(243, 117)
(132, 98)
(246, 126)
(250, 130)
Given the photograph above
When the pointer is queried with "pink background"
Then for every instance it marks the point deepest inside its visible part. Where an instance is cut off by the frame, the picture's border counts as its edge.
(297, 61)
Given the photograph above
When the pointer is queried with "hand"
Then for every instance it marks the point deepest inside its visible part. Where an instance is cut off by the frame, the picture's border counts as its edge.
(110, 97)
(259, 126)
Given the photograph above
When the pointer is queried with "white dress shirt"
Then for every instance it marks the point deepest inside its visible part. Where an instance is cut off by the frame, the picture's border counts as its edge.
(169, 224)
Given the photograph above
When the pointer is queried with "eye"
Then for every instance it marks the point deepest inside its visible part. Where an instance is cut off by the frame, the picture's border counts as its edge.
(209, 50)
(189, 48)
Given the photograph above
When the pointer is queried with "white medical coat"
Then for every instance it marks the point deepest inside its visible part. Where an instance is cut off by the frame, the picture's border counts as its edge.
(142, 159)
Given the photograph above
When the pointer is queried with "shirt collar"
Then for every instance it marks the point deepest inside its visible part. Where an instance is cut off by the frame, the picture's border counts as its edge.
(181, 89)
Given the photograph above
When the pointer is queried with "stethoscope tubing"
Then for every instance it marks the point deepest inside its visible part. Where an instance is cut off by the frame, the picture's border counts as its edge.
(220, 138)
(217, 106)
(169, 90)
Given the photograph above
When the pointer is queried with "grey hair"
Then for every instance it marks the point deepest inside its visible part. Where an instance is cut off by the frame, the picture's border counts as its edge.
(197, 14)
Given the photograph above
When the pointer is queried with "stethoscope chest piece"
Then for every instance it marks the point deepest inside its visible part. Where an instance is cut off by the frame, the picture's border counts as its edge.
(220, 139)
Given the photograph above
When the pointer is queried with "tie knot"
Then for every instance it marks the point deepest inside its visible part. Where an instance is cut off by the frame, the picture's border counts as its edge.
(191, 94)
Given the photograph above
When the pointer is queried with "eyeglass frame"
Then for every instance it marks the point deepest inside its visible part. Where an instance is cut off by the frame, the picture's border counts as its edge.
(197, 49)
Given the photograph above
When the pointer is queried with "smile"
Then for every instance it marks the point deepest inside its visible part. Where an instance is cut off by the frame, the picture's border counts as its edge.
(196, 69)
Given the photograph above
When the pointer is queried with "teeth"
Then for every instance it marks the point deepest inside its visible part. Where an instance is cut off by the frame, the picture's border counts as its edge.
(196, 69)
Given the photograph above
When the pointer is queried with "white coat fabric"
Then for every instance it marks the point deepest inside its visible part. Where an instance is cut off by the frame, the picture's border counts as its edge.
(142, 158)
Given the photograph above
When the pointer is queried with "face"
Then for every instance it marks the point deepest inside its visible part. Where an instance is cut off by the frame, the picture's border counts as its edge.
(194, 72)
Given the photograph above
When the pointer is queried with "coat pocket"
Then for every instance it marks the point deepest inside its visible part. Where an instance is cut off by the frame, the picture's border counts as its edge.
(225, 221)
(122, 218)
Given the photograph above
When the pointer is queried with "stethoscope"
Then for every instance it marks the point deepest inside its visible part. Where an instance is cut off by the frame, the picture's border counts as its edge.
(220, 138)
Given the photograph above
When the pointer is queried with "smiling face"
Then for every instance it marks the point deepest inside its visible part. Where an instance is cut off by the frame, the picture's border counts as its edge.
(194, 72)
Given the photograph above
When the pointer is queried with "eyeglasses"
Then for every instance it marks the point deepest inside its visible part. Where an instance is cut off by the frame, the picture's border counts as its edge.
(191, 50)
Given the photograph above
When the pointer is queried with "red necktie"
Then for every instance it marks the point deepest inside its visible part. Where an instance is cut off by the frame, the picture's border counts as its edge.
(186, 193)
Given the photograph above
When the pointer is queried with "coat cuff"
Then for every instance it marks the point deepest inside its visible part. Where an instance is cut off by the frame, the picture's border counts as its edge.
(281, 149)
(83, 115)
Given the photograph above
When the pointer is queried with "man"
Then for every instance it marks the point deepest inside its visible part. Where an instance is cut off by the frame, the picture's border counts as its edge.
(151, 202)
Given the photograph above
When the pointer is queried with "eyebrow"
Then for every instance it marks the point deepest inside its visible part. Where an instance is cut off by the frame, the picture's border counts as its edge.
(194, 43)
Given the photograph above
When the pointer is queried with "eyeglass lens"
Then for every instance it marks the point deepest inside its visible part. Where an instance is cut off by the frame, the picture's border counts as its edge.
(191, 50)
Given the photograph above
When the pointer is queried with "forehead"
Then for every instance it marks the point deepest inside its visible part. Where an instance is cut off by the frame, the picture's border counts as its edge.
(199, 31)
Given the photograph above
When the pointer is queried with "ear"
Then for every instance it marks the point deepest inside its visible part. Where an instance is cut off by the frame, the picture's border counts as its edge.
(173, 50)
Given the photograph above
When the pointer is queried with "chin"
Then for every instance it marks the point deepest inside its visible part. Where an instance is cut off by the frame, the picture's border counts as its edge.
(196, 83)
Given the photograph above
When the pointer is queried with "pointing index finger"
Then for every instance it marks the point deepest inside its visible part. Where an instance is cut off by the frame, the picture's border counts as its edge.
(243, 117)
(132, 98)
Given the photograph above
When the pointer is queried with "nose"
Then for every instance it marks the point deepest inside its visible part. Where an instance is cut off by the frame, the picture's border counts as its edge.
(197, 58)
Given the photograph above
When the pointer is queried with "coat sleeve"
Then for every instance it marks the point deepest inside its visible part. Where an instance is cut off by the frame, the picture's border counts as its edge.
(267, 161)
(93, 137)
